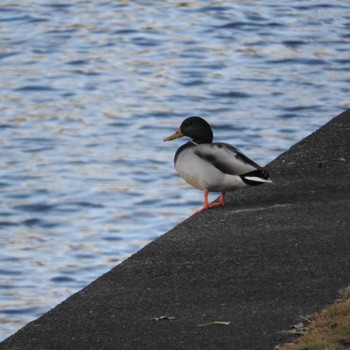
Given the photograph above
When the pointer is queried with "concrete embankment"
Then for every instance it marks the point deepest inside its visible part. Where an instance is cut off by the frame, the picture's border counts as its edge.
(271, 255)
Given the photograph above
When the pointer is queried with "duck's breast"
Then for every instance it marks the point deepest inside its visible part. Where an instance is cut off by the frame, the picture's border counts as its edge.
(197, 171)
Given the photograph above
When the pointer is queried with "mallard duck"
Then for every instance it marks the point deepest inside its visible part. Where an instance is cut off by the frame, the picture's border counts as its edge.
(213, 166)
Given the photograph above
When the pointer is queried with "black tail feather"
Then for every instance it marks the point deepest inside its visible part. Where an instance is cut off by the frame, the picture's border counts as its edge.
(258, 174)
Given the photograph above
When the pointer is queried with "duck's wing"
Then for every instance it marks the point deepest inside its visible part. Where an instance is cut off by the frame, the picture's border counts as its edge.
(228, 159)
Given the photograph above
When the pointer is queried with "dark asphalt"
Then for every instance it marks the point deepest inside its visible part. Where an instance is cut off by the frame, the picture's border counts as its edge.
(272, 254)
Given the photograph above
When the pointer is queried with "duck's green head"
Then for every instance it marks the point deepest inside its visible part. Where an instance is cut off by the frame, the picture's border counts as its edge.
(196, 128)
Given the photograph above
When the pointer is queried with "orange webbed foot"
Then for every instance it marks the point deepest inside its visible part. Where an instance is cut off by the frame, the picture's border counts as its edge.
(208, 205)
(200, 209)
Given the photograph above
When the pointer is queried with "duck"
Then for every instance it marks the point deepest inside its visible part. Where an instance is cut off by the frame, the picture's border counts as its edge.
(213, 166)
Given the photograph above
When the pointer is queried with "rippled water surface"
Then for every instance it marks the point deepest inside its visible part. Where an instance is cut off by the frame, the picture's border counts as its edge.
(89, 89)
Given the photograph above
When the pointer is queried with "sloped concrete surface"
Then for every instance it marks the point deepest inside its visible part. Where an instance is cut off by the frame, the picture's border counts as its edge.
(272, 254)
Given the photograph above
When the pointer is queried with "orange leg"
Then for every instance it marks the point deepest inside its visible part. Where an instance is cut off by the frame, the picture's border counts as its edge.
(220, 202)
(208, 205)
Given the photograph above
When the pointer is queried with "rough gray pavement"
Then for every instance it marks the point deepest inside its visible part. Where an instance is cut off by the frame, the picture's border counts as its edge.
(272, 254)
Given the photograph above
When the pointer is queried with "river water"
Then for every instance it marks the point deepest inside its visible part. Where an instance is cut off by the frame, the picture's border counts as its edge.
(89, 89)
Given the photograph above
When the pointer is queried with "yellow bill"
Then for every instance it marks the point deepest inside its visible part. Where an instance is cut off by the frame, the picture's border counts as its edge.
(174, 136)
